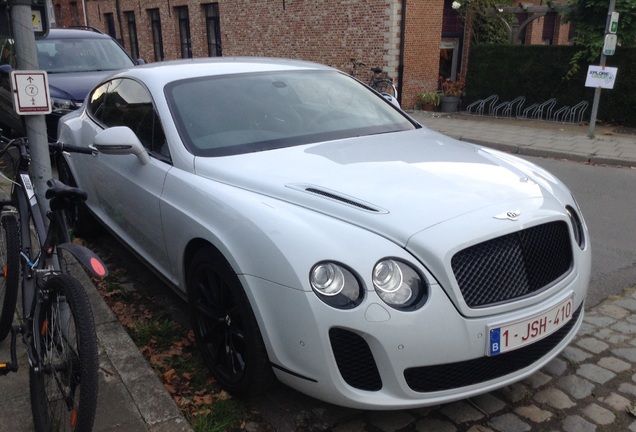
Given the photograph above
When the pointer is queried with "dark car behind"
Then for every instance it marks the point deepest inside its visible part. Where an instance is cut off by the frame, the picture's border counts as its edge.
(75, 61)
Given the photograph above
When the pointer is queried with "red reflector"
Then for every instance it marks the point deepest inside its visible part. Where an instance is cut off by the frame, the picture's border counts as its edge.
(97, 267)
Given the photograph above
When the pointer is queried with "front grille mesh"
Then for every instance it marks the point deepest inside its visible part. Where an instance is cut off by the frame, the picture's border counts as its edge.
(428, 379)
(513, 265)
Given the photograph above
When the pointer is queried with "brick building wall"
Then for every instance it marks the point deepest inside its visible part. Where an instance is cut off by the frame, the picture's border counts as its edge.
(325, 31)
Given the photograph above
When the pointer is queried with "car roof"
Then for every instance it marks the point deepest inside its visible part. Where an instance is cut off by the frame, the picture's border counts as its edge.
(161, 73)
(74, 33)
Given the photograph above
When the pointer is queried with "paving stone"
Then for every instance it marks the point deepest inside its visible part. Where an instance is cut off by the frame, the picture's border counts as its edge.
(627, 388)
(537, 380)
(509, 423)
(352, 426)
(624, 327)
(574, 354)
(575, 386)
(599, 415)
(614, 364)
(479, 428)
(556, 367)
(389, 421)
(534, 413)
(599, 320)
(577, 424)
(628, 354)
(428, 425)
(592, 344)
(613, 311)
(616, 402)
(611, 337)
(628, 303)
(461, 412)
(555, 398)
(514, 393)
(488, 403)
(595, 373)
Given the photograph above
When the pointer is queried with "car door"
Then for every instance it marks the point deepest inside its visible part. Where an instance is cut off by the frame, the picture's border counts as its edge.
(127, 192)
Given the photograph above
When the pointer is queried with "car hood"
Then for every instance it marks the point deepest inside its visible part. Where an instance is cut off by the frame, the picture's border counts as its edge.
(75, 86)
(394, 184)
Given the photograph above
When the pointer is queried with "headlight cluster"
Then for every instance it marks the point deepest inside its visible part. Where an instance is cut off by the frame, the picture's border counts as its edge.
(398, 284)
(335, 285)
(63, 106)
(577, 226)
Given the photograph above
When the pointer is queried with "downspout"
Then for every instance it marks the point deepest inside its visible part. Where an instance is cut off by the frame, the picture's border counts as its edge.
(400, 79)
(84, 10)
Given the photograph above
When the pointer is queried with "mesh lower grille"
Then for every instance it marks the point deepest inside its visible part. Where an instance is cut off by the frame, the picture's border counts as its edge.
(514, 265)
(455, 375)
(355, 360)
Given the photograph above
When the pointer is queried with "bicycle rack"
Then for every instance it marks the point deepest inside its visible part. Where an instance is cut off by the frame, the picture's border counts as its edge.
(507, 107)
(481, 105)
(578, 111)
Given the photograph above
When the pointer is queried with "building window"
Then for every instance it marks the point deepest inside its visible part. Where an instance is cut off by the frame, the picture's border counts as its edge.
(110, 25)
(157, 41)
(184, 32)
(74, 14)
(213, 29)
(132, 34)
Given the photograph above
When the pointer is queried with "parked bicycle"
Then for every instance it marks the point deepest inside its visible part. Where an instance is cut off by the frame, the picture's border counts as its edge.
(56, 321)
(379, 81)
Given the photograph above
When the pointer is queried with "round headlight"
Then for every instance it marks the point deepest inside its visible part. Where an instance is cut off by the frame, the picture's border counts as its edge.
(327, 279)
(398, 284)
(335, 285)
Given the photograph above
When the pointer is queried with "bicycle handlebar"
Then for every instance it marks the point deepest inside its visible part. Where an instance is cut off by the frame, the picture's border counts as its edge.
(60, 147)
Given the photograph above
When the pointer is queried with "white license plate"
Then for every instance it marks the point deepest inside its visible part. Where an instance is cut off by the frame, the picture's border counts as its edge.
(521, 333)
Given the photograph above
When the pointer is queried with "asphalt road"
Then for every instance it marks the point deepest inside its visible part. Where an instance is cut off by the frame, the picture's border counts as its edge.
(607, 197)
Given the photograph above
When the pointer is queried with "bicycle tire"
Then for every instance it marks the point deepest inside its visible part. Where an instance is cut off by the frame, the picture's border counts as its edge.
(69, 363)
(385, 86)
(10, 277)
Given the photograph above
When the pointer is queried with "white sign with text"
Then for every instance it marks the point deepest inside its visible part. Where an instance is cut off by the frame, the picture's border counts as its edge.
(599, 76)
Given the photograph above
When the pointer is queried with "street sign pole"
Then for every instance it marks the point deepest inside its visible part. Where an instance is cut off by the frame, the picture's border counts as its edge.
(610, 27)
(35, 125)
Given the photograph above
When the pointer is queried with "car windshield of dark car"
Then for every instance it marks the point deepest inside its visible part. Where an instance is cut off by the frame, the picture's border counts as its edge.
(233, 114)
(81, 55)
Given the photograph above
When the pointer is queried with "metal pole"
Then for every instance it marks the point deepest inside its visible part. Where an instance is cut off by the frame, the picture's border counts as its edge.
(27, 59)
(597, 91)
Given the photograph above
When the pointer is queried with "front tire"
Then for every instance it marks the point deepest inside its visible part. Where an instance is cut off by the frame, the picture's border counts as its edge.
(225, 327)
(10, 277)
(64, 390)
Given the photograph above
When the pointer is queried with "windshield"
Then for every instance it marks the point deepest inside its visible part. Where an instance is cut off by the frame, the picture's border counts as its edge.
(81, 55)
(232, 114)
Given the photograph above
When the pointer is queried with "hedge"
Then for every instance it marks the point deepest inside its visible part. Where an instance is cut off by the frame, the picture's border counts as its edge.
(538, 73)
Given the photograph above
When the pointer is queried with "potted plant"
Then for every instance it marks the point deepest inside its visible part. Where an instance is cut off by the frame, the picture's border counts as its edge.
(429, 100)
(452, 91)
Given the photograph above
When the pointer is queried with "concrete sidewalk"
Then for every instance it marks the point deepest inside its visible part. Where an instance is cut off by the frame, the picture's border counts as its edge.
(537, 138)
(132, 398)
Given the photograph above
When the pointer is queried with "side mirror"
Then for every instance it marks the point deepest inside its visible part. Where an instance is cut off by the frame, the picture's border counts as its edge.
(391, 99)
(120, 140)
(141, 61)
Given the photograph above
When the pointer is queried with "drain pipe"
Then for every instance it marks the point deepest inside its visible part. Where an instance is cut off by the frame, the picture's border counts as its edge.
(400, 79)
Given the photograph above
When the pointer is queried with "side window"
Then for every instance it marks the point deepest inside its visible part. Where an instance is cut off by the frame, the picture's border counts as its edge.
(124, 102)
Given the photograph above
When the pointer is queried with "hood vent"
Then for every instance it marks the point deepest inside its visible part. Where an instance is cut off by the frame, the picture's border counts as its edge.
(338, 197)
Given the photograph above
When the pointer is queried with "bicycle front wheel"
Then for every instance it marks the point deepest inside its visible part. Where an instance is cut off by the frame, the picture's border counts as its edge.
(64, 389)
(10, 277)
(385, 86)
